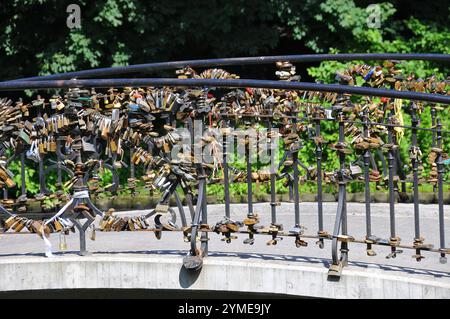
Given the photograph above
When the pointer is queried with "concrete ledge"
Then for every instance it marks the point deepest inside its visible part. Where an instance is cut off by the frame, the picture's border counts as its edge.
(218, 273)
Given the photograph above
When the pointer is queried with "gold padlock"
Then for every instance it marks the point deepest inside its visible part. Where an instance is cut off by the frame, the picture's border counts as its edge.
(62, 241)
(60, 105)
(166, 148)
(41, 147)
(10, 221)
(58, 226)
(52, 147)
(113, 146)
(59, 122)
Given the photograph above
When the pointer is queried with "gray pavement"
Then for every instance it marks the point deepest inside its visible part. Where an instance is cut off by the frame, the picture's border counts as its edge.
(172, 243)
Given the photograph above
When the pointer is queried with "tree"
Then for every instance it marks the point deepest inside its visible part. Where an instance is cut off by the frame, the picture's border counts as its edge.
(36, 40)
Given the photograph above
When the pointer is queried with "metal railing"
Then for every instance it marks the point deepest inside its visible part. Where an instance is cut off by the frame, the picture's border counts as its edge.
(85, 132)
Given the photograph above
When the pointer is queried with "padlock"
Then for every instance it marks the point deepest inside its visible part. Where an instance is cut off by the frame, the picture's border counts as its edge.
(62, 241)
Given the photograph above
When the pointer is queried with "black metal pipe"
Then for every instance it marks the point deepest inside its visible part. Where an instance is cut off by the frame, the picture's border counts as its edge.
(82, 231)
(204, 236)
(188, 195)
(391, 168)
(226, 182)
(5, 194)
(337, 226)
(433, 125)
(433, 133)
(132, 174)
(180, 208)
(367, 157)
(273, 207)
(342, 187)
(295, 189)
(291, 190)
(197, 215)
(319, 182)
(273, 204)
(199, 208)
(22, 174)
(440, 171)
(108, 83)
(383, 161)
(151, 67)
(415, 165)
(295, 164)
(399, 170)
(249, 179)
(41, 176)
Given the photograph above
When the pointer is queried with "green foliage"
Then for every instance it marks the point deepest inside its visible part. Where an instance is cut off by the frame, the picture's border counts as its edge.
(118, 32)
(32, 186)
(424, 38)
(35, 38)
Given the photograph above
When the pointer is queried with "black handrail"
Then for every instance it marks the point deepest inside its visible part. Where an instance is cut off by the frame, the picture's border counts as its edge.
(301, 58)
(237, 83)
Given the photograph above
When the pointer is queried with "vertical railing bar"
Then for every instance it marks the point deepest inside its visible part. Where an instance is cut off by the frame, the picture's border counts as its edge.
(399, 170)
(392, 140)
(132, 174)
(273, 204)
(319, 183)
(372, 161)
(249, 179)
(433, 134)
(204, 236)
(414, 161)
(296, 192)
(198, 214)
(291, 191)
(295, 178)
(58, 164)
(225, 171)
(440, 171)
(22, 173)
(5, 193)
(383, 162)
(41, 168)
(433, 125)
(342, 185)
(337, 264)
(367, 158)
(41, 175)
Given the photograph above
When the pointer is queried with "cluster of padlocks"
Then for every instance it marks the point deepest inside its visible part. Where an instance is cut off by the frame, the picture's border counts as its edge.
(81, 133)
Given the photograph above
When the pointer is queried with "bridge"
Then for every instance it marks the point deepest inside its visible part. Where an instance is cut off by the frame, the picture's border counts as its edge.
(132, 261)
(289, 244)
(254, 274)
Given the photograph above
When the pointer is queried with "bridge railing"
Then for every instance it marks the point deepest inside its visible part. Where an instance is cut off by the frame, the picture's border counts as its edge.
(177, 136)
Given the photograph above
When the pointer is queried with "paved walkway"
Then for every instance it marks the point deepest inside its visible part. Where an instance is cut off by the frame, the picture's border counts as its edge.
(172, 243)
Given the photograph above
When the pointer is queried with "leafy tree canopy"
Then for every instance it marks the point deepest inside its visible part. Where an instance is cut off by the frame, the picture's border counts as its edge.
(34, 38)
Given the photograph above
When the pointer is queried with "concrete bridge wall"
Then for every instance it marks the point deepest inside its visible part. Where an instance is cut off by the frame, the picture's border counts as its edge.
(218, 273)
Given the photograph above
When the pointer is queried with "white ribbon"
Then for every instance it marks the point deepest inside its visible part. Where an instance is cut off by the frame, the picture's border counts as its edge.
(328, 114)
(33, 152)
(48, 244)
